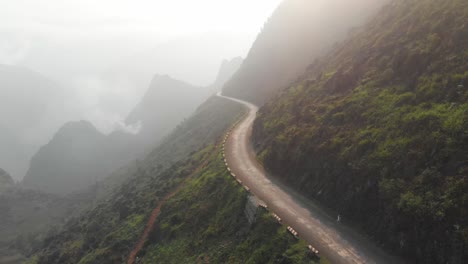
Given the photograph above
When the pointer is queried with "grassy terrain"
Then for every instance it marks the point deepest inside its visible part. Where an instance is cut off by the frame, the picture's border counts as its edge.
(378, 130)
(203, 222)
(207, 123)
(110, 226)
(26, 216)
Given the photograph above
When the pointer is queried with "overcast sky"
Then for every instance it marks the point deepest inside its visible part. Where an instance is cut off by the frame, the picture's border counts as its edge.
(162, 17)
(107, 50)
(106, 31)
(103, 53)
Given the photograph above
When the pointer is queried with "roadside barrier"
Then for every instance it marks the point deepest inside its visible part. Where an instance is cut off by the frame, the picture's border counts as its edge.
(293, 232)
(311, 249)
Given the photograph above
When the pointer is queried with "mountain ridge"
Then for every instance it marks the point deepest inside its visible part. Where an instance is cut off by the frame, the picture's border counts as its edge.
(297, 32)
(376, 130)
(79, 155)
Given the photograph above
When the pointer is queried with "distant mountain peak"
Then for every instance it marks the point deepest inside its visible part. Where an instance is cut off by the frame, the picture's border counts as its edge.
(84, 124)
(298, 32)
(226, 71)
(157, 77)
(78, 129)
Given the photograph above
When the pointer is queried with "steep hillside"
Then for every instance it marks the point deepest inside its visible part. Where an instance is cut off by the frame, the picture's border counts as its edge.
(297, 32)
(28, 215)
(208, 122)
(203, 221)
(26, 97)
(378, 130)
(76, 157)
(79, 155)
(157, 110)
(32, 212)
(226, 71)
(168, 102)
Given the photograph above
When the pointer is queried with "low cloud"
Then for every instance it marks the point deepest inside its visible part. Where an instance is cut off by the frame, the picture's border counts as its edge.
(133, 129)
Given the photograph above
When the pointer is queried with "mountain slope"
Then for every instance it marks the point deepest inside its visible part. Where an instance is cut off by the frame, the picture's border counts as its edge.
(76, 157)
(156, 111)
(377, 130)
(28, 215)
(208, 121)
(204, 221)
(212, 203)
(79, 155)
(26, 100)
(297, 32)
(226, 71)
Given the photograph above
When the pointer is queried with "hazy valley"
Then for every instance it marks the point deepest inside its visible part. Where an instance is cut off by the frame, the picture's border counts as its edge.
(341, 137)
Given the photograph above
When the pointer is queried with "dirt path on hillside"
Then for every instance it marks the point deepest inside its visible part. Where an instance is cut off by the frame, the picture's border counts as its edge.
(335, 241)
(156, 211)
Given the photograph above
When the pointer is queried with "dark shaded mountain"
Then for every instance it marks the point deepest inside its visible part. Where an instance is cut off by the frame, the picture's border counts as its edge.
(207, 211)
(27, 216)
(168, 102)
(297, 33)
(26, 98)
(378, 130)
(226, 71)
(192, 134)
(79, 154)
(76, 157)
(194, 58)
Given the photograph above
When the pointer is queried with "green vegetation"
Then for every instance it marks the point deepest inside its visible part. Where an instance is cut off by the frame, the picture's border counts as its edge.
(203, 222)
(26, 217)
(297, 32)
(108, 229)
(378, 130)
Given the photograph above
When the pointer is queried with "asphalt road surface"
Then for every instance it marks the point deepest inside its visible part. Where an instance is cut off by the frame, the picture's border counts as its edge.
(334, 240)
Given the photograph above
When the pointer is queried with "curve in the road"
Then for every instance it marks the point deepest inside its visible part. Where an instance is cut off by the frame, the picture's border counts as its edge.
(336, 242)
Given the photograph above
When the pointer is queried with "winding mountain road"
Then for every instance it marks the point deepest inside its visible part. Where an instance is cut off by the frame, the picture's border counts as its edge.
(335, 241)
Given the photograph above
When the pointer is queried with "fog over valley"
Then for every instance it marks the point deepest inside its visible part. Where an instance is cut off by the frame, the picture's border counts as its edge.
(99, 64)
(265, 131)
